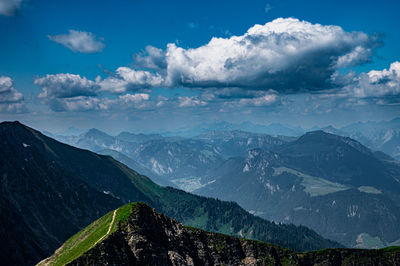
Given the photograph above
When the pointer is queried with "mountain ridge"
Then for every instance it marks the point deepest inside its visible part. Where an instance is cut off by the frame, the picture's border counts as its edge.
(141, 236)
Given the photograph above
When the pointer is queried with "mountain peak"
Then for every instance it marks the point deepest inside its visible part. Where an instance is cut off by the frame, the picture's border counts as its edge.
(94, 132)
(317, 133)
(11, 124)
(320, 140)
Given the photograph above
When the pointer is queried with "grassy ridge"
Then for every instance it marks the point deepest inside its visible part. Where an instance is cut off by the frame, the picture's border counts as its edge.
(87, 238)
(77, 245)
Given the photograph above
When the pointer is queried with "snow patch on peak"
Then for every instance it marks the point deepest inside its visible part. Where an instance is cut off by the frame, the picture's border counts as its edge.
(352, 211)
(388, 136)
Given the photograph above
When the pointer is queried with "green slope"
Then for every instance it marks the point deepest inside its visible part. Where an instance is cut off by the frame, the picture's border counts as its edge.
(90, 236)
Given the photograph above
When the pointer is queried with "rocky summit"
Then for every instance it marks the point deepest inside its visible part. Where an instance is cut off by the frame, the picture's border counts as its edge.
(136, 234)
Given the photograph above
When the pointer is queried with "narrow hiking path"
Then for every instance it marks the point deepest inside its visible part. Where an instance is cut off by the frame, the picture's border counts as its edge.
(109, 229)
(111, 224)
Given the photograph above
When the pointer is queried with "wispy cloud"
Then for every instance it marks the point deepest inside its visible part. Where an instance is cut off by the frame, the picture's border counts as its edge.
(79, 41)
(9, 7)
(192, 25)
(267, 8)
(89, 103)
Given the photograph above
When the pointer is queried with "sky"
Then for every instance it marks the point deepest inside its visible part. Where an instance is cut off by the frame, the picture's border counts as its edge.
(151, 66)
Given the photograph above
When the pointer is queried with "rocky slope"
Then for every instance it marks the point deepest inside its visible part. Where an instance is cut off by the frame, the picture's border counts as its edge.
(141, 236)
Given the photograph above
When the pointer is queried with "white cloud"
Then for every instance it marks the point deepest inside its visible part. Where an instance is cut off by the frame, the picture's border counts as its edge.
(8, 94)
(287, 55)
(266, 100)
(377, 83)
(78, 103)
(130, 79)
(79, 41)
(9, 7)
(89, 103)
(65, 86)
(152, 57)
(190, 101)
(138, 100)
(69, 92)
(11, 101)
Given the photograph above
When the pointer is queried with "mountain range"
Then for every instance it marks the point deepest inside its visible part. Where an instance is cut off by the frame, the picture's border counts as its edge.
(51, 190)
(328, 182)
(174, 161)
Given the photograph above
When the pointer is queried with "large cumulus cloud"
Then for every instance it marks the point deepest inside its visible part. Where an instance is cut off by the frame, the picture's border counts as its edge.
(287, 55)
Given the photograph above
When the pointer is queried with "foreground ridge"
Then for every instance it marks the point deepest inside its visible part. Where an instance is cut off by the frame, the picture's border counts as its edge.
(138, 235)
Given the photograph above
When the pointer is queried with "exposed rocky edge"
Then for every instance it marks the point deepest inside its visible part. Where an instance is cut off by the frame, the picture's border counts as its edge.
(145, 237)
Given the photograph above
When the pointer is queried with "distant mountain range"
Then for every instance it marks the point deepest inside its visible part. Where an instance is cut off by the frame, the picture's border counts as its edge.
(330, 183)
(380, 136)
(176, 161)
(383, 136)
(136, 234)
(50, 190)
(317, 180)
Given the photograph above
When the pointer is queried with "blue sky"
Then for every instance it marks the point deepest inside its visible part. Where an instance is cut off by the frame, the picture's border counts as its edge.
(34, 43)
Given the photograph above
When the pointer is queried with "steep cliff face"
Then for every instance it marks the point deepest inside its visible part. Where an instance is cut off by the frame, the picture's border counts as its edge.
(141, 236)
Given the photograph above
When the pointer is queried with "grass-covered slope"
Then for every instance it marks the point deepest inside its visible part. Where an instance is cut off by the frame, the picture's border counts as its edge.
(90, 236)
(140, 236)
